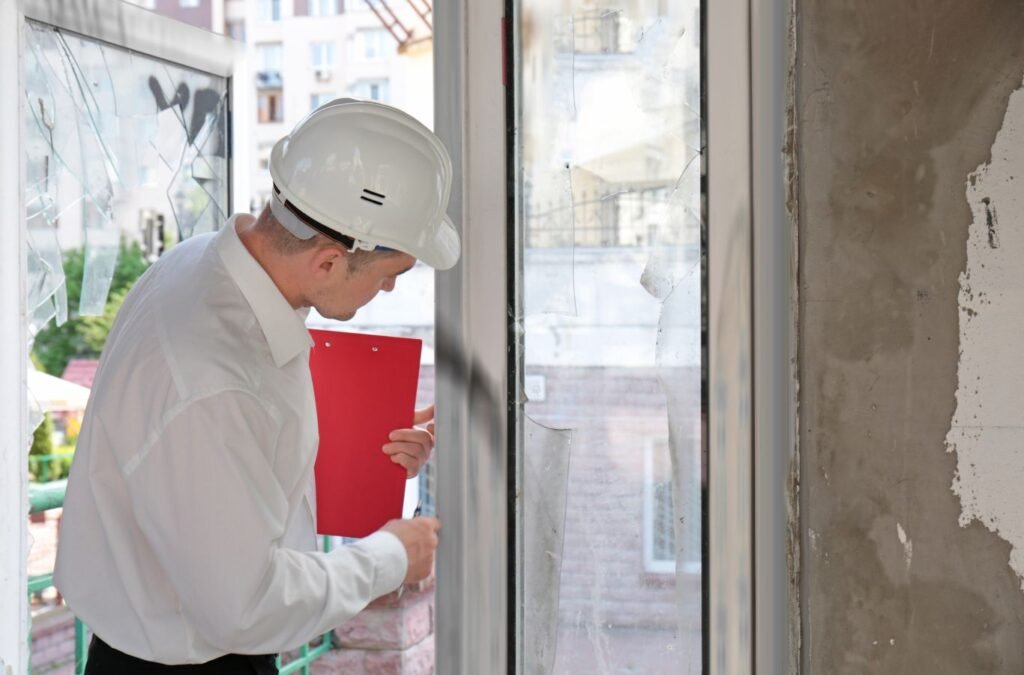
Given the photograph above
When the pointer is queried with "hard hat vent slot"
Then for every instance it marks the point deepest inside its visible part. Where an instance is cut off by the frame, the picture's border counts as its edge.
(374, 197)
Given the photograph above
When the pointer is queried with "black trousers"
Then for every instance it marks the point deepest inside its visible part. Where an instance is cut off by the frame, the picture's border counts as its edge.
(105, 660)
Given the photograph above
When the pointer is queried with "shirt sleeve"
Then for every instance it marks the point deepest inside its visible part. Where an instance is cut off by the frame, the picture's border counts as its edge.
(211, 508)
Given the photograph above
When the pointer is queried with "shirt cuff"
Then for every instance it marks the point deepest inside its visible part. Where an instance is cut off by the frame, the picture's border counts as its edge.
(390, 561)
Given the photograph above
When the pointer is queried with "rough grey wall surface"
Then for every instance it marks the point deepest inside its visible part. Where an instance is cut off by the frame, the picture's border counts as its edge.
(896, 103)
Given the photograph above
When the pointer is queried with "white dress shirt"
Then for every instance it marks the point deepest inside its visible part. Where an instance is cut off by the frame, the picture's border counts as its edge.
(188, 528)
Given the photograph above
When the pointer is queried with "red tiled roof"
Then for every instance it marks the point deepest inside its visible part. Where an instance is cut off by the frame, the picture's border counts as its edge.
(81, 371)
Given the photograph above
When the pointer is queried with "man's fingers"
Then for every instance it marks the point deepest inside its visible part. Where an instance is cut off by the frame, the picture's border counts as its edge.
(433, 522)
(412, 449)
(421, 436)
(410, 456)
(423, 415)
(410, 464)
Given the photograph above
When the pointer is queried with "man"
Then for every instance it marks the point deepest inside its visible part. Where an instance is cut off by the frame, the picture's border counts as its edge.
(188, 537)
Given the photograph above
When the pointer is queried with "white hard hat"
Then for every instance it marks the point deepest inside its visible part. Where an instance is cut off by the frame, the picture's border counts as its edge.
(366, 172)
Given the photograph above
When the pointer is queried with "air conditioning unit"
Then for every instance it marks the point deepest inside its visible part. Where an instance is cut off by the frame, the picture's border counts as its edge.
(322, 74)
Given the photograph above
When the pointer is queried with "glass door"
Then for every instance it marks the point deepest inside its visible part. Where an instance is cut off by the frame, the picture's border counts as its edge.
(609, 287)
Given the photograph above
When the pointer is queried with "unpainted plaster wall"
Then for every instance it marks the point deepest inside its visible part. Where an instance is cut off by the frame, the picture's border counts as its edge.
(897, 105)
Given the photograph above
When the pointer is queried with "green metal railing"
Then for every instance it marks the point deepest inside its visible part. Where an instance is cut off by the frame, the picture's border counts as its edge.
(308, 655)
(46, 496)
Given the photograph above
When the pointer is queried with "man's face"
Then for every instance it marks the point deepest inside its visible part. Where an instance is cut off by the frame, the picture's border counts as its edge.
(348, 289)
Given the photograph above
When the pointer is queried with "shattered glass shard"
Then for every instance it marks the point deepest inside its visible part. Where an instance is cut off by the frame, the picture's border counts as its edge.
(546, 481)
(189, 203)
(109, 135)
(102, 240)
(549, 273)
(171, 139)
(45, 261)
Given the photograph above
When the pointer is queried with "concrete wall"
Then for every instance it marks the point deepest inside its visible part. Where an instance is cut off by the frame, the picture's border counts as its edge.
(912, 525)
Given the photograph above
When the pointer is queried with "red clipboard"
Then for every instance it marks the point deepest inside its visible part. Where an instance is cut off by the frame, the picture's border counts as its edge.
(365, 388)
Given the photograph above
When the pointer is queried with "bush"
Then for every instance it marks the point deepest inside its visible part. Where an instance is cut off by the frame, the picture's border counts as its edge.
(42, 437)
(42, 465)
(80, 336)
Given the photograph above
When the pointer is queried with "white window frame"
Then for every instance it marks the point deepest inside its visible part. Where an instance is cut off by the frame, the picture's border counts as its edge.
(265, 10)
(316, 7)
(322, 55)
(362, 89)
(123, 25)
(317, 99)
(649, 516)
(348, 6)
(370, 44)
(265, 48)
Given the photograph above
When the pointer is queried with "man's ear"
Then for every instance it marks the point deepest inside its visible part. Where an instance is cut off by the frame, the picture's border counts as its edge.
(325, 259)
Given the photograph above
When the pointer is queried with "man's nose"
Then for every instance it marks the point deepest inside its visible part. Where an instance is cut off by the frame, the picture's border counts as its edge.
(388, 286)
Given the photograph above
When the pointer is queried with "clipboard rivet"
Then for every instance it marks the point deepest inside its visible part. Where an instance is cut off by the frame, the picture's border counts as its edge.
(327, 344)
(374, 349)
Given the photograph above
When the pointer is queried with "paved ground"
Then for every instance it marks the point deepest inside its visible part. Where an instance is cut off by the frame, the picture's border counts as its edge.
(53, 642)
(41, 555)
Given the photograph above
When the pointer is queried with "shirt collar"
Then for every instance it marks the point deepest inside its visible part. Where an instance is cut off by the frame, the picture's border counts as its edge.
(283, 326)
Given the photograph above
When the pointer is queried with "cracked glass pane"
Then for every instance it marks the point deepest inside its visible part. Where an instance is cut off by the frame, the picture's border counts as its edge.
(117, 143)
(610, 306)
(45, 260)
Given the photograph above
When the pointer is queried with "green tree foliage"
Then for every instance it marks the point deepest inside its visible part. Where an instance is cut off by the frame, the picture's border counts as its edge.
(81, 336)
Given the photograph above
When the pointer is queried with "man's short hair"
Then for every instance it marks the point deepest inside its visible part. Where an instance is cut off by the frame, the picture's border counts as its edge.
(285, 243)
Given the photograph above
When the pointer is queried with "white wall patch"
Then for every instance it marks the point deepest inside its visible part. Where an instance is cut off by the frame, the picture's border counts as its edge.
(908, 546)
(987, 430)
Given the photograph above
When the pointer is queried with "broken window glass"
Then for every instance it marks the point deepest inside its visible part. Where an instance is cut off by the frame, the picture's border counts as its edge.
(610, 302)
(115, 140)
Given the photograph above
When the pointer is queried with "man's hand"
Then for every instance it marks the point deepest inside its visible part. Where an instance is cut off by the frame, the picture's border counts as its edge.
(419, 536)
(411, 447)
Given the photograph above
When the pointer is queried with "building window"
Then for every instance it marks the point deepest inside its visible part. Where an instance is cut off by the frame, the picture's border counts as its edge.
(354, 5)
(236, 30)
(658, 526)
(659, 516)
(375, 90)
(317, 100)
(268, 59)
(188, 3)
(270, 106)
(323, 7)
(322, 55)
(373, 44)
(270, 10)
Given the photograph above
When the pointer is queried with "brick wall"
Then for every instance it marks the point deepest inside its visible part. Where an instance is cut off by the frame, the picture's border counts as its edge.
(53, 643)
(393, 636)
